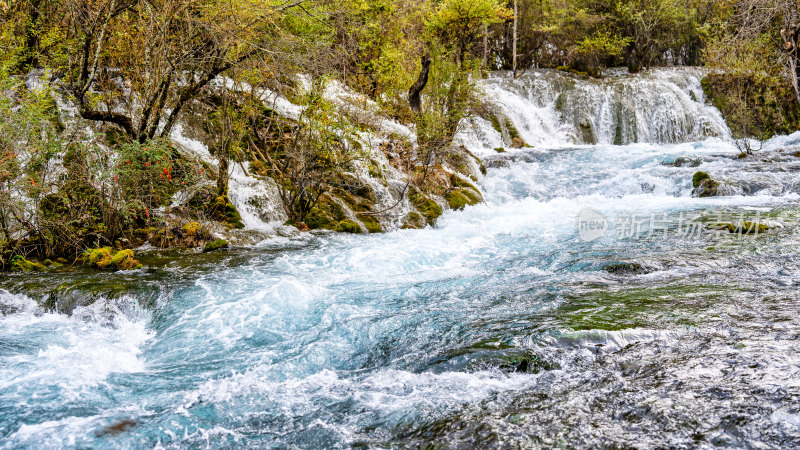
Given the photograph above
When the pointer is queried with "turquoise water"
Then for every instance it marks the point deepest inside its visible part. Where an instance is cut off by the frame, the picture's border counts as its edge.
(497, 328)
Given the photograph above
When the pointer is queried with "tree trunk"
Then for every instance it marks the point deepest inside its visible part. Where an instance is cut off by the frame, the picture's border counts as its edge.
(414, 100)
(514, 44)
(222, 177)
(485, 44)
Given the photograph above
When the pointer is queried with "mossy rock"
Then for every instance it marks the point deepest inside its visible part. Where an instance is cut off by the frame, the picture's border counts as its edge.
(500, 150)
(222, 209)
(325, 215)
(743, 228)
(413, 221)
(707, 188)
(699, 177)
(752, 228)
(458, 182)
(348, 226)
(124, 260)
(370, 222)
(98, 257)
(215, 245)
(429, 209)
(20, 264)
(461, 197)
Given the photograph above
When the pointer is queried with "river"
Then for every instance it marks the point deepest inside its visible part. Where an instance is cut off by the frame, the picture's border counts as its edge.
(509, 324)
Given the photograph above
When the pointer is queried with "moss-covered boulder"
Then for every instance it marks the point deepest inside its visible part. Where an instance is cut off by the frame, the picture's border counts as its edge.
(18, 263)
(370, 223)
(348, 226)
(428, 208)
(222, 209)
(99, 257)
(104, 258)
(698, 178)
(124, 260)
(215, 245)
(707, 188)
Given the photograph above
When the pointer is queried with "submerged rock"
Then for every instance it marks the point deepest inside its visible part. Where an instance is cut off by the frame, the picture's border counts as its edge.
(623, 267)
(742, 228)
(683, 161)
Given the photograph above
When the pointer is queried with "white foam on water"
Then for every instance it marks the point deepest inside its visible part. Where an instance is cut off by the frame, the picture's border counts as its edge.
(72, 353)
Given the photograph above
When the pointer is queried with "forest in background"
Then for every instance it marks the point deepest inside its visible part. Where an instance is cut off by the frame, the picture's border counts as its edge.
(131, 70)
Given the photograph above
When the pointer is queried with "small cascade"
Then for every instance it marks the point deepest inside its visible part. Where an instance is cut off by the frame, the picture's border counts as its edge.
(549, 108)
(256, 199)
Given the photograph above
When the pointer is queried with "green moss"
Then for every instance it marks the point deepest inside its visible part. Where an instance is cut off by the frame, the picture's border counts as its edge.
(698, 178)
(458, 182)
(743, 228)
(20, 264)
(429, 209)
(325, 215)
(500, 150)
(457, 199)
(348, 226)
(222, 209)
(752, 228)
(370, 222)
(413, 221)
(98, 257)
(215, 245)
(192, 228)
(124, 260)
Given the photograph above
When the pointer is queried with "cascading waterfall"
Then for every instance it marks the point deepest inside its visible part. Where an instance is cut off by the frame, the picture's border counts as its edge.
(550, 108)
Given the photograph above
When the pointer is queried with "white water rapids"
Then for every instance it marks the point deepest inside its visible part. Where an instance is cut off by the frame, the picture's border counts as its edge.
(497, 328)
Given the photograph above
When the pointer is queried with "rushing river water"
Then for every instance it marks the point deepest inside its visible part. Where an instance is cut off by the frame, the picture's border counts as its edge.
(501, 327)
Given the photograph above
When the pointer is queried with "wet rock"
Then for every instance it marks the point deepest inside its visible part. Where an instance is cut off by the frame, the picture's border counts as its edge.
(742, 228)
(117, 428)
(517, 142)
(215, 245)
(586, 131)
(698, 178)
(707, 188)
(683, 161)
(624, 267)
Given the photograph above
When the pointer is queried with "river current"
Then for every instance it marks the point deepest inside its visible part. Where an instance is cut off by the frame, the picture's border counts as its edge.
(506, 325)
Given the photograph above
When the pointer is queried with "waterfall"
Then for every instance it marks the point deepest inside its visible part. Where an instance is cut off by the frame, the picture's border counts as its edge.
(549, 108)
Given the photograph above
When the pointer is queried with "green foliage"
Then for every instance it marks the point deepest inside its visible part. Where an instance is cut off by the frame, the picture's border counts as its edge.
(754, 105)
(20, 264)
